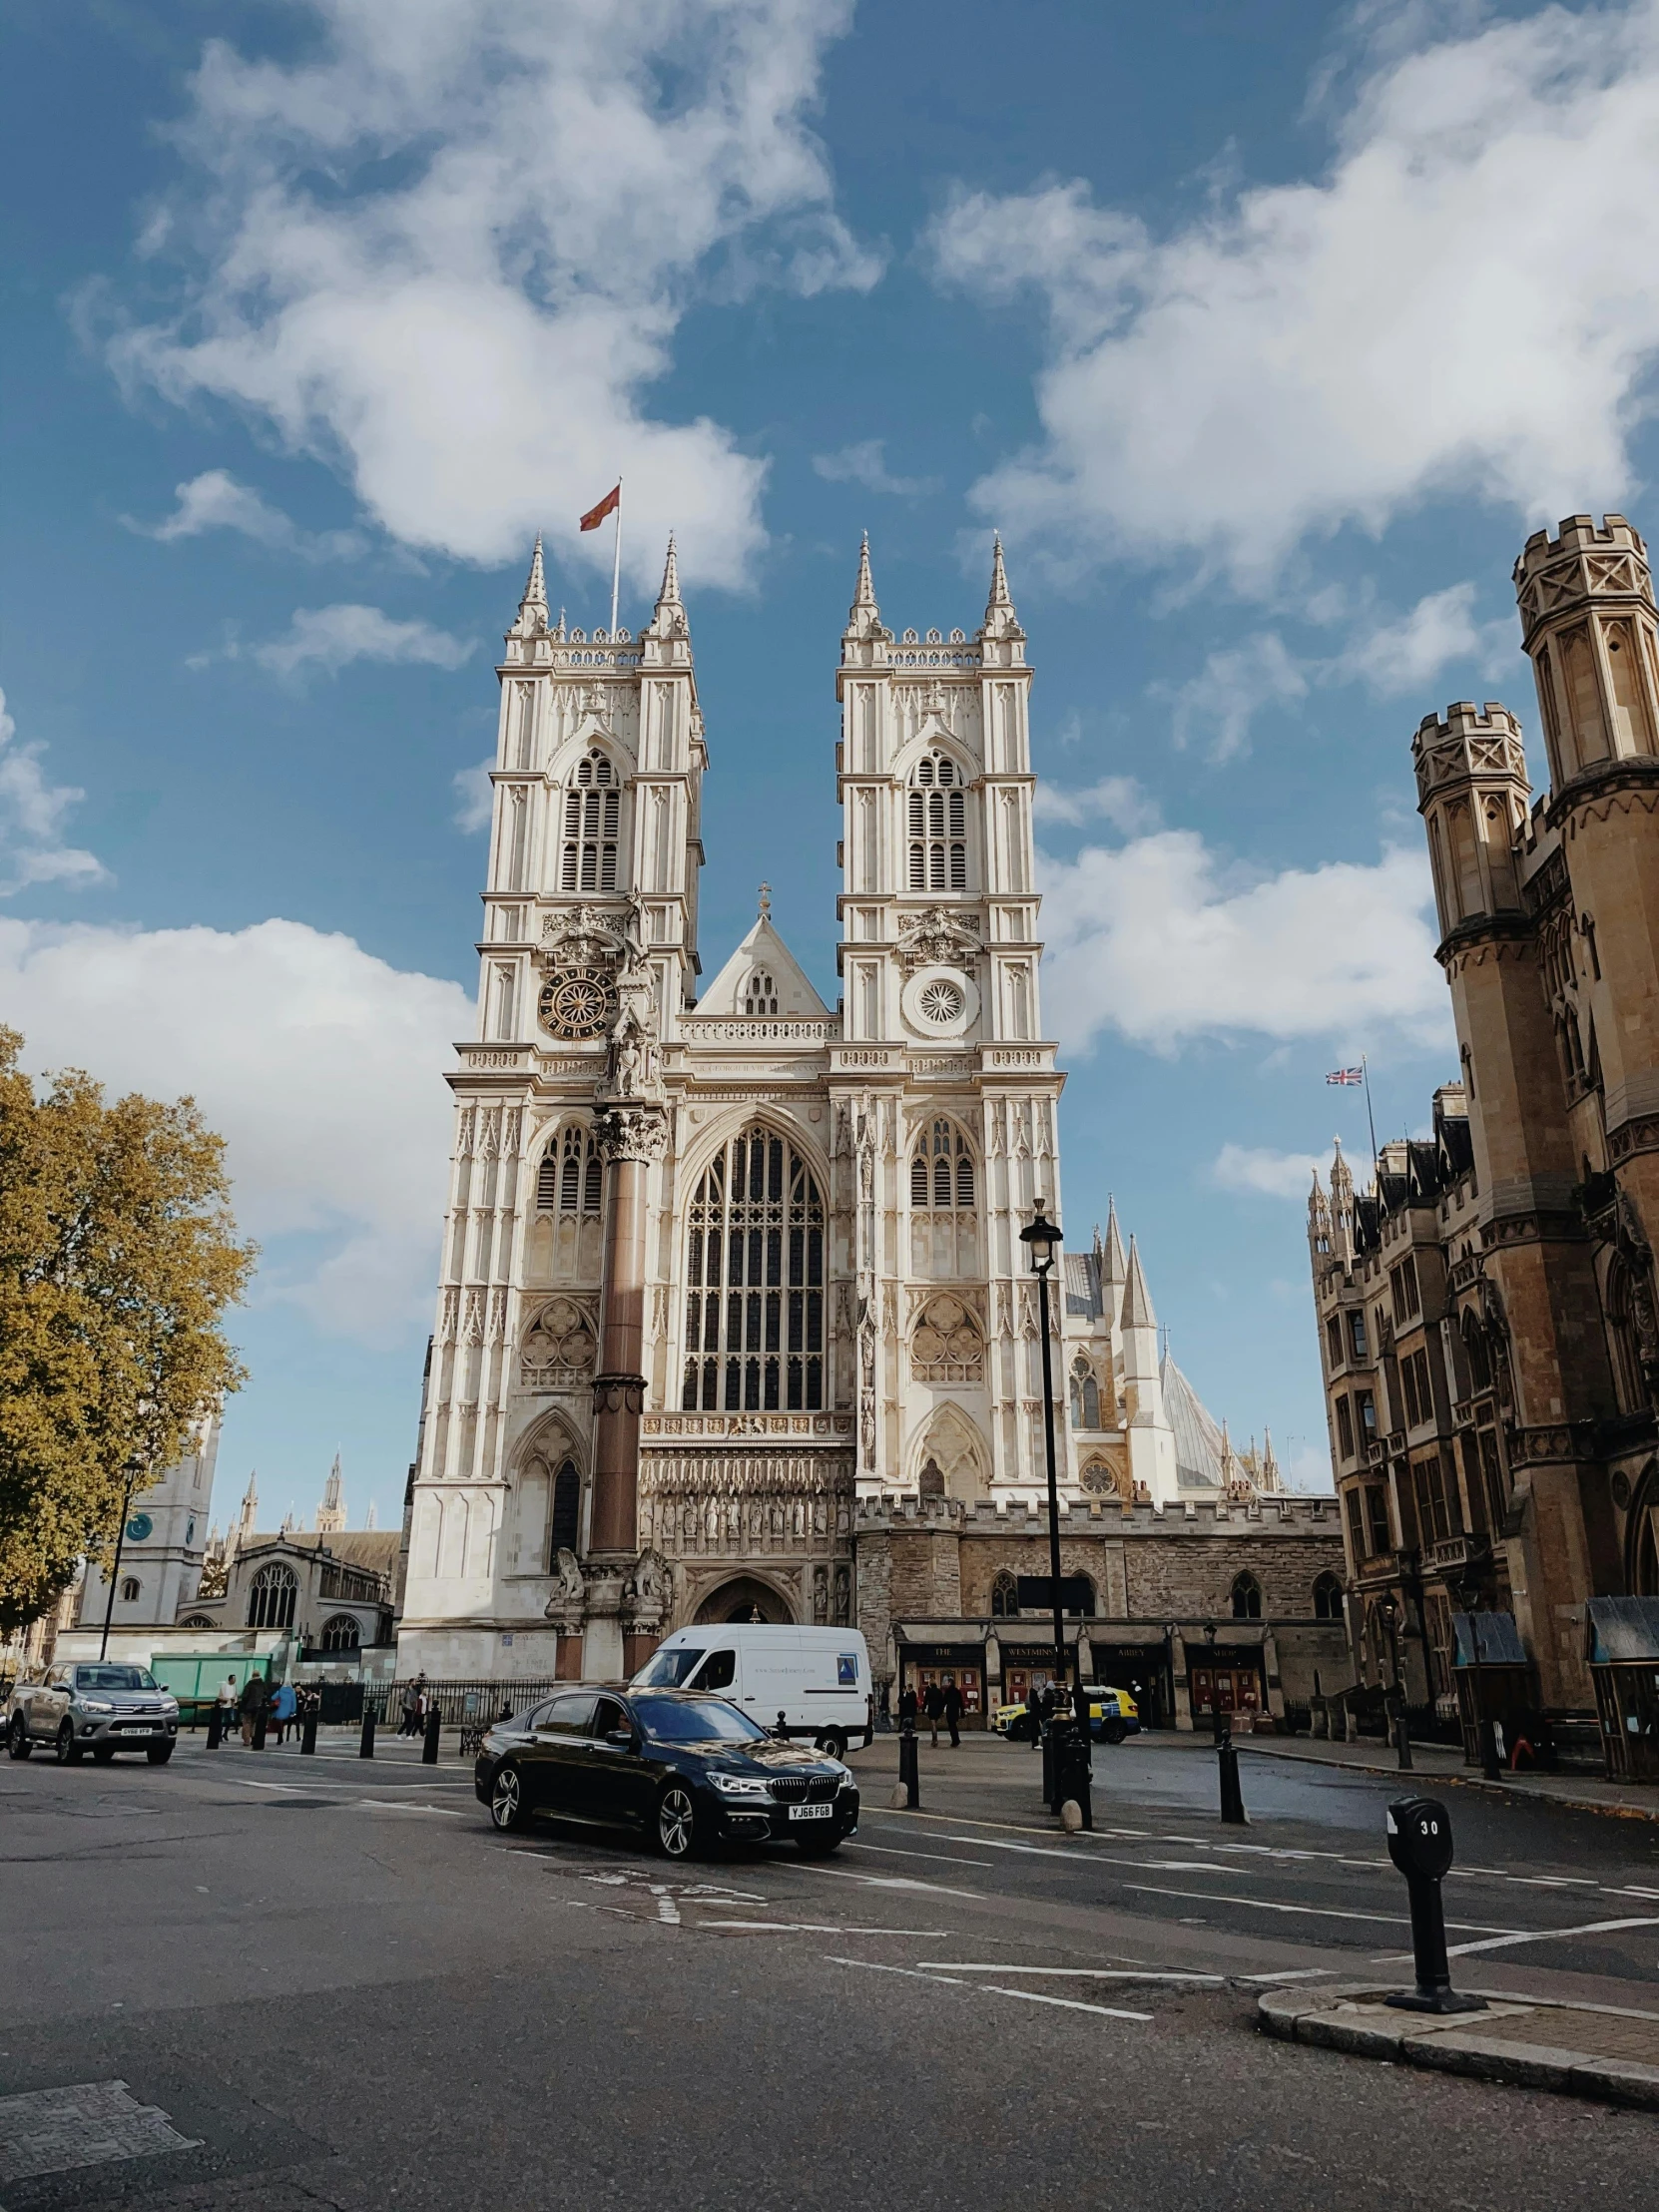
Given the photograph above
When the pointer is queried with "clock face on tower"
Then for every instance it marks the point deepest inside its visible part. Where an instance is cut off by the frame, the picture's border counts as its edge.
(578, 1002)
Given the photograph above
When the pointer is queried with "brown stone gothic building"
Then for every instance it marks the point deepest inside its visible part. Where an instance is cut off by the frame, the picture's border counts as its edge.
(1487, 1311)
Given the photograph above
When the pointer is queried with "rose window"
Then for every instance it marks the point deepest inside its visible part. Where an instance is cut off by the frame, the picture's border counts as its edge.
(941, 1002)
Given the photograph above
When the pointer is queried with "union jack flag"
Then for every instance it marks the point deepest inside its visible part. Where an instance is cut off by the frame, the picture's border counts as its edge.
(1347, 1075)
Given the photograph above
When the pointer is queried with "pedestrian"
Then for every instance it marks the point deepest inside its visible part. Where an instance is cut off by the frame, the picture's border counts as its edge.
(254, 1701)
(284, 1704)
(933, 1706)
(906, 1707)
(411, 1709)
(887, 1705)
(951, 1705)
(227, 1703)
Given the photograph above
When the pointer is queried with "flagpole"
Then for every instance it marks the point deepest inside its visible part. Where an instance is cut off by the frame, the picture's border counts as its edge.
(616, 559)
(1376, 1171)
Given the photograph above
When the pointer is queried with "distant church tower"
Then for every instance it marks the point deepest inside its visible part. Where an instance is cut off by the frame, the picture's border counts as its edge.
(331, 1514)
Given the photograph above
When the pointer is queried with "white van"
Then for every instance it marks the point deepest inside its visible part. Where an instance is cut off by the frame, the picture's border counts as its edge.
(816, 1679)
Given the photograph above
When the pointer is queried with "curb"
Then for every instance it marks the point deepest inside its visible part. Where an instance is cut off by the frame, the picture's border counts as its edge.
(1349, 2017)
(1511, 1791)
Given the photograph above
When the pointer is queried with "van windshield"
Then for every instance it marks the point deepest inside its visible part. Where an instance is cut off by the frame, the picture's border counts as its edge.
(667, 1669)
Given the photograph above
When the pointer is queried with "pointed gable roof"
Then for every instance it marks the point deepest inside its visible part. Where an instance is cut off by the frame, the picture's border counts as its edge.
(766, 950)
(1199, 1443)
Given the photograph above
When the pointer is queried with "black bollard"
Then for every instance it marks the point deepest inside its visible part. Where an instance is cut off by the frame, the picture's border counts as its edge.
(1231, 1796)
(365, 1750)
(307, 1730)
(215, 1724)
(1046, 1732)
(1073, 1770)
(909, 1769)
(1420, 1844)
(429, 1749)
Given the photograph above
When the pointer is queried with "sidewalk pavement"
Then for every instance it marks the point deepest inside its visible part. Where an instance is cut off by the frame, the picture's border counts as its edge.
(1582, 1793)
(1584, 2050)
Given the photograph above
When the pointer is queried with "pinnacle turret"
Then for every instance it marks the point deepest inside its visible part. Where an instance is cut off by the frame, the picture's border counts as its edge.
(1137, 1301)
(668, 620)
(532, 608)
(1000, 618)
(1112, 1260)
(863, 617)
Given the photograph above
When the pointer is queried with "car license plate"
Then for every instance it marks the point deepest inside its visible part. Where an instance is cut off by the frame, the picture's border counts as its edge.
(812, 1812)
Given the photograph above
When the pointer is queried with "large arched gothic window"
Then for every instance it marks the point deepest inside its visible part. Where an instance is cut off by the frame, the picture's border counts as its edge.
(593, 824)
(1085, 1395)
(941, 1169)
(341, 1632)
(755, 1280)
(567, 1510)
(570, 1177)
(1004, 1596)
(272, 1598)
(937, 825)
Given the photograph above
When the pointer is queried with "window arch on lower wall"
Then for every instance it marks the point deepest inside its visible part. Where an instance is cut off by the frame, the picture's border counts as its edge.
(1327, 1598)
(1247, 1598)
(341, 1632)
(755, 1280)
(273, 1596)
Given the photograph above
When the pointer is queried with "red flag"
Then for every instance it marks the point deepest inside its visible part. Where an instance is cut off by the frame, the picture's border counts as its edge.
(607, 506)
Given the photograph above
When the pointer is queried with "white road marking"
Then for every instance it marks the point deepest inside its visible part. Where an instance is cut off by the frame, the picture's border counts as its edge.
(1071, 2004)
(1294, 1973)
(378, 1805)
(1547, 1936)
(667, 1912)
(1264, 1904)
(889, 1882)
(1072, 1974)
(941, 1857)
(823, 1928)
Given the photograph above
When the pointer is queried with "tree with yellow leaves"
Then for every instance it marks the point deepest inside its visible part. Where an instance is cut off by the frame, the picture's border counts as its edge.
(117, 1258)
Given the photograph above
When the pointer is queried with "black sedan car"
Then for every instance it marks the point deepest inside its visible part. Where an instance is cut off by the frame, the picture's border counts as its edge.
(687, 1771)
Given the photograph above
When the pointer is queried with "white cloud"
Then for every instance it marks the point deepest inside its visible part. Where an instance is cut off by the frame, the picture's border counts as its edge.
(474, 796)
(1403, 656)
(865, 464)
(1118, 800)
(1216, 707)
(216, 501)
(453, 262)
(330, 637)
(1157, 941)
(1462, 305)
(32, 811)
(1264, 1172)
(319, 1065)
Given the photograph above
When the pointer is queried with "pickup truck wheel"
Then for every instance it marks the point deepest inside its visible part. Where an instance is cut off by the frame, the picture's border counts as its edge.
(158, 1754)
(18, 1745)
(68, 1750)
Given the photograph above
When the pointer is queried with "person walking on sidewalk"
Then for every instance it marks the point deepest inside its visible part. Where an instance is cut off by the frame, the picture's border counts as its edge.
(906, 1708)
(283, 1706)
(950, 1706)
(256, 1699)
(933, 1706)
(227, 1703)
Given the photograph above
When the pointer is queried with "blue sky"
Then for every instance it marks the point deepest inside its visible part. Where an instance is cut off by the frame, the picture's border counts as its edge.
(1264, 336)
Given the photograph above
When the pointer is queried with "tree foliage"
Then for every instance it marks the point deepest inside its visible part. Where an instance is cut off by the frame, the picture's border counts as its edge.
(117, 1258)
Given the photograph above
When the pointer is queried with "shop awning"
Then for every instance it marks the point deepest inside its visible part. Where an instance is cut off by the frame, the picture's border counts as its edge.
(1486, 1640)
(1622, 1629)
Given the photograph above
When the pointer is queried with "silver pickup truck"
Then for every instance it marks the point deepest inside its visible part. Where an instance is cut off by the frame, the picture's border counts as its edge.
(97, 1705)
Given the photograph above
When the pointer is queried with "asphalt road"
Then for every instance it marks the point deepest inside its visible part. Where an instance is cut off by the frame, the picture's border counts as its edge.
(342, 1990)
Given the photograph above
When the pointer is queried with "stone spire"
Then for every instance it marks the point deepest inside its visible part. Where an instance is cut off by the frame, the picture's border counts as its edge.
(331, 1514)
(532, 608)
(863, 617)
(669, 618)
(250, 1504)
(1000, 618)
(1137, 1303)
(1112, 1265)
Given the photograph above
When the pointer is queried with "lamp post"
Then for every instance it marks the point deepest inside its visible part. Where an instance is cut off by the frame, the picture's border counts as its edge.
(135, 1467)
(1043, 1237)
(1388, 1607)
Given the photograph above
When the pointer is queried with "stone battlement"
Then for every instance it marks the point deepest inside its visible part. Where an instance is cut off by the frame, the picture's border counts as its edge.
(1469, 742)
(1578, 534)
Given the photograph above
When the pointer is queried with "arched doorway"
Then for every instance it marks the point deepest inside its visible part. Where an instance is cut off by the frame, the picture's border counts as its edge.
(745, 1598)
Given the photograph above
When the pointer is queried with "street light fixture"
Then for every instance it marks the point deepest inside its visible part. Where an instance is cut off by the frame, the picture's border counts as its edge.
(1043, 1238)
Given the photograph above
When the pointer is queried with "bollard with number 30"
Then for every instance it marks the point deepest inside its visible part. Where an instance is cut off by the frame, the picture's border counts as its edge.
(1420, 1844)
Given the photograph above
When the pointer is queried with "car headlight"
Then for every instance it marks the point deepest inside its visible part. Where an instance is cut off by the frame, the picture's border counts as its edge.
(170, 1705)
(739, 1785)
(94, 1704)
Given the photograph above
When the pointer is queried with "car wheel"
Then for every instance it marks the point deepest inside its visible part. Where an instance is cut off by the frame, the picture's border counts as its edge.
(676, 1824)
(18, 1745)
(68, 1750)
(819, 1845)
(833, 1742)
(508, 1811)
(1113, 1732)
(158, 1754)
(102, 1753)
